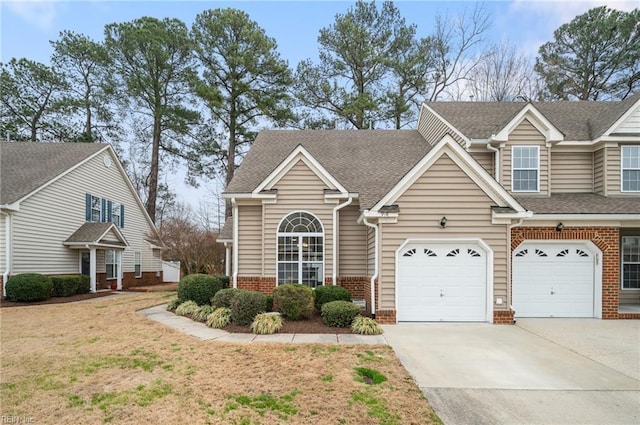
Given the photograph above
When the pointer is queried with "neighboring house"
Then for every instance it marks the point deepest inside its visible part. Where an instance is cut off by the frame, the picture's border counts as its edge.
(68, 208)
(485, 211)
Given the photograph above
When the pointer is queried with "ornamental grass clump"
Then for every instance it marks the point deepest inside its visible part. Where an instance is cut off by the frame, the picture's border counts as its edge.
(365, 326)
(220, 318)
(339, 314)
(202, 313)
(173, 304)
(267, 323)
(187, 307)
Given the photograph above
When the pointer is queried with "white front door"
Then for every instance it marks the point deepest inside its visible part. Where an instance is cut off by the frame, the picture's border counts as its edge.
(442, 281)
(554, 280)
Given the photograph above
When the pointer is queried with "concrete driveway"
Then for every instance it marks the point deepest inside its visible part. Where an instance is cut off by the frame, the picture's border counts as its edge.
(540, 371)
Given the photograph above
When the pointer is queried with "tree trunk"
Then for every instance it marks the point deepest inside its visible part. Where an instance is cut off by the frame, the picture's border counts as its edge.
(153, 173)
(231, 154)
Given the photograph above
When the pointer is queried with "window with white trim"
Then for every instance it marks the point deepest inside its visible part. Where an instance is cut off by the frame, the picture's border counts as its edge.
(525, 168)
(630, 172)
(137, 263)
(301, 250)
(631, 262)
(96, 209)
(111, 262)
(115, 213)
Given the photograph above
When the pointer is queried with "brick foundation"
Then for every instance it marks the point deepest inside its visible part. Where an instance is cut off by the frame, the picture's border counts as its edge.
(266, 285)
(629, 316)
(129, 280)
(386, 317)
(503, 317)
(605, 238)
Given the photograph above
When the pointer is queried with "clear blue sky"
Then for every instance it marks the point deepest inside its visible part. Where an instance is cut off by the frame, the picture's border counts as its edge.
(27, 26)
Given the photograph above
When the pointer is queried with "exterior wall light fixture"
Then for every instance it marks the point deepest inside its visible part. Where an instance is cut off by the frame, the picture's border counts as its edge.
(559, 227)
(443, 222)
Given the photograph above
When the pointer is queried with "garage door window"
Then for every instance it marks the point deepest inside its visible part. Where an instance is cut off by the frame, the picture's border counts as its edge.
(301, 250)
(631, 262)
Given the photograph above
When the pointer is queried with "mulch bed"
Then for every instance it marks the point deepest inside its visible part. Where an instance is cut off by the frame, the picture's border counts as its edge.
(56, 300)
(313, 325)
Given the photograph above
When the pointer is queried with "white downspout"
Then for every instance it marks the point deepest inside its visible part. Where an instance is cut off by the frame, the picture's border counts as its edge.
(334, 276)
(7, 252)
(235, 242)
(496, 167)
(227, 259)
(375, 266)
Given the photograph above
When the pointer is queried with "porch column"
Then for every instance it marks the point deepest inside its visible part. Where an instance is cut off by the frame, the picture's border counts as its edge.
(92, 268)
(119, 263)
(227, 259)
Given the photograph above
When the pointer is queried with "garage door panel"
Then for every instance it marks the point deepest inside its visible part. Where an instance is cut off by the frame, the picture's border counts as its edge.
(553, 280)
(441, 282)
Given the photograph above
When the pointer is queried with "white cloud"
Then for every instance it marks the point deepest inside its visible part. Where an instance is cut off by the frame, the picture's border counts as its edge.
(40, 14)
(557, 12)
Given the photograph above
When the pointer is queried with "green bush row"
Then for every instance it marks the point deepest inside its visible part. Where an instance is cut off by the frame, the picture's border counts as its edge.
(67, 285)
(200, 288)
(29, 287)
(339, 314)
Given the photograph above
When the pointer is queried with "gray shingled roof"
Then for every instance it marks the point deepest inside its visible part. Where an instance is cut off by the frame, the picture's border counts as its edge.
(25, 166)
(227, 231)
(369, 162)
(576, 120)
(89, 232)
(580, 203)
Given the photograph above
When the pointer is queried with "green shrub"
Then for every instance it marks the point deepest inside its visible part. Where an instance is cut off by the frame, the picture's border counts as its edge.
(84, 285)
(245, 305)
(326, 294)
(220, 318)
(29, 287)
(199, 288)
(187, 307)
(173, 304)
(224, 280)
(365, 326)
(294, 301)
(339, 314)
(223, 297)
(267, 323)
(269, 303)
(67, 285)
(202, 313)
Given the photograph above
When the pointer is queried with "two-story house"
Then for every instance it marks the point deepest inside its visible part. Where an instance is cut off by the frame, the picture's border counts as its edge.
(69, 208)
(486, 211)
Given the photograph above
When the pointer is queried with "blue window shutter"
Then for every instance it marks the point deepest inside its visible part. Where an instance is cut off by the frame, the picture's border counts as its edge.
(87, 212)
(104, 210)
(121, 215)
(109, 210)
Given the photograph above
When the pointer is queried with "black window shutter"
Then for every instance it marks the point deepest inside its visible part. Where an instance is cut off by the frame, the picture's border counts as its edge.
(87, 210)
(109, 210)
(104, 210)
(121, 215)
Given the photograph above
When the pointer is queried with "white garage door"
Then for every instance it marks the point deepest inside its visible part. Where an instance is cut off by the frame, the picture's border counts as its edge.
(442, 282)
(553, 280)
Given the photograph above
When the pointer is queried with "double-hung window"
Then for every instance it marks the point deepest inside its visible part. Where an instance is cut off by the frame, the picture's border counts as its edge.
(301, 250)
(630, 168)
(111, 261)
(137, 263)
(96, 209)
(631, 262)
(525, 168)
(115, 213)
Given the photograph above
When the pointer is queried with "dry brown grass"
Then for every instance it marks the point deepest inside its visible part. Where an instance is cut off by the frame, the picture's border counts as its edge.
(100, 362)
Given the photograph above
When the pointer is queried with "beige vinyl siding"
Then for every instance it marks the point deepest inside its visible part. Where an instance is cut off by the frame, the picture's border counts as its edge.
(352, 246)
(572, 172)
(51, 215)
(250, 240)
(599, 171)
(525, 135)
(631, 124)
(613, 172)
(371, 251)
(3, 243)
(485, 159)
(299, 190)
(443, 190)
(629, 296)
(433, 129)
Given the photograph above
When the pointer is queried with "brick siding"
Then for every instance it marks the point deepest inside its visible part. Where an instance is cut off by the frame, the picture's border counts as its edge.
(503, 317)
(605, 238)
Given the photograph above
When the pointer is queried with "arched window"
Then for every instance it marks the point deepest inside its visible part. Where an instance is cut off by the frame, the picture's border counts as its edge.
(301, 250)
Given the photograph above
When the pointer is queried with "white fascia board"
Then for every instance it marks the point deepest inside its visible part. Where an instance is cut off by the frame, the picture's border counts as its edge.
(467, 141)
(11, 207)
(224, 240)
(466, 163)
(299, 154)
(239, 196)
(341, 195)
(622, 119)
(118, 233)
(535, 117)
(584, 217)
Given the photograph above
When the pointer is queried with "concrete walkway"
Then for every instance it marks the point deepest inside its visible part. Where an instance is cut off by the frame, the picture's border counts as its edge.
(541, 371)
(203, 332)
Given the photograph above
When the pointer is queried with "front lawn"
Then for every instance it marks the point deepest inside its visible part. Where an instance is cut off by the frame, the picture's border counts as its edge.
(100, 362)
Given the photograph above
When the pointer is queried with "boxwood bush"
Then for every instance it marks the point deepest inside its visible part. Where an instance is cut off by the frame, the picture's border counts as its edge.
(326, 294)
(223, 297)
(294, 301)
(339, 314)
(29, 287)
(199, 288)
(67, 285)
(84, 285)
(245, 305)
